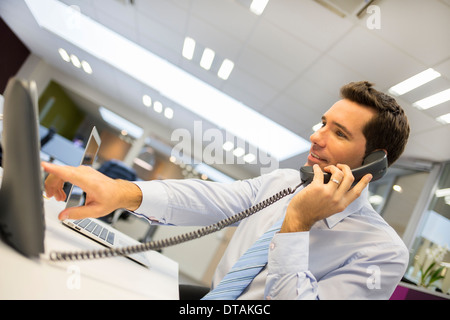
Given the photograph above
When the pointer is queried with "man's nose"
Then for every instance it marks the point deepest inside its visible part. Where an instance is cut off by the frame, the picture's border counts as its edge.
(319, 137)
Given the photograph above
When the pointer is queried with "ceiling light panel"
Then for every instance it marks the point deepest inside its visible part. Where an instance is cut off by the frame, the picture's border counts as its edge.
(86, 67)
(258, 6)
(158, 107)
(188, 48)
(225, 69)
(168, 113)
(64, 55)
(228, 146)
(207, 58)
(172, 82)
(75, 61)
(239, 152)
(414, 82)
(444, 119)
(147, 100)
(432, 101)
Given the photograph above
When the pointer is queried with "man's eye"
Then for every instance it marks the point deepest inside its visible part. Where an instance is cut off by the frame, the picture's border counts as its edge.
(341, 134)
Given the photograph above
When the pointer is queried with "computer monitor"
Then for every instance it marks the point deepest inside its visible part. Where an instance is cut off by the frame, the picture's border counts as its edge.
(22, 223)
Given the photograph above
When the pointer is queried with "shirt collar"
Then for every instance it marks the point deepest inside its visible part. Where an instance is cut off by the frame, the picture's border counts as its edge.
(356, 205)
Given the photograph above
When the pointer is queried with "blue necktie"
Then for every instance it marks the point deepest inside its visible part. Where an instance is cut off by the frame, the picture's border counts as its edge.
(245, 269)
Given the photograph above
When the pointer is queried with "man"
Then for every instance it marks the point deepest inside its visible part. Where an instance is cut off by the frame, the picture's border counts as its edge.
(331, 243)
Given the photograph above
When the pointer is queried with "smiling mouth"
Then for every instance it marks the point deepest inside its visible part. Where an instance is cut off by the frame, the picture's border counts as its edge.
(315, 156)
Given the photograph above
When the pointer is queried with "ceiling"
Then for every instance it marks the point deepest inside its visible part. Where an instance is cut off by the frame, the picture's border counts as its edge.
(289, 62)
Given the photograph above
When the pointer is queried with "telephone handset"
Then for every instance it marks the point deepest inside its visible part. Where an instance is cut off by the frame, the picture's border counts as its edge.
(375, 163)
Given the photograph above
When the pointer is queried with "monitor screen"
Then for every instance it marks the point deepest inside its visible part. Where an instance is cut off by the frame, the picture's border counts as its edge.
(22, 223)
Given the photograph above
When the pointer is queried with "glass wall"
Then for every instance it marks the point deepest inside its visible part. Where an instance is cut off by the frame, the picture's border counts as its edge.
(396, 195)
(429, 256)
(415, 201)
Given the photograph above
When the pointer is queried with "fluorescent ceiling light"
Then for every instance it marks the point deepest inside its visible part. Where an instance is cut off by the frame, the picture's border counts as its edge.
(168, 113)
(228, 146)
(120, 123)
(172, 82)
(444, 119)
(250, 157)
(75, 61)
(433, 100)
(64, 55)
(414, 82)
(225, 69)
(258, 6)
(158, 107)
(146, 100)
(188, 48)
(86, 67)
(207, 58)
(238, 152)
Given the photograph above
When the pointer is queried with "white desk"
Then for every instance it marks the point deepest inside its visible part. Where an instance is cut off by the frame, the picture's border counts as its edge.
(109, 278)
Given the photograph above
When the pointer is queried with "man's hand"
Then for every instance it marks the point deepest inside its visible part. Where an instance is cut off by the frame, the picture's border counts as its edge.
(318, 201)
(103, 194)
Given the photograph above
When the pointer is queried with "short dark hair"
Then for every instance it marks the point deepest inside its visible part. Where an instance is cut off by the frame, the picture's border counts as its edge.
(389, 128)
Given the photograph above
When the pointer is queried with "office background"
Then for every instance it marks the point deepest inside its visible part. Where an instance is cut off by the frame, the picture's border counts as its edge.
(289, 63)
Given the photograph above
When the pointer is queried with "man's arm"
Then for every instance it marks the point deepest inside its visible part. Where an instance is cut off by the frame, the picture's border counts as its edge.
(180, 202)
(103, 194)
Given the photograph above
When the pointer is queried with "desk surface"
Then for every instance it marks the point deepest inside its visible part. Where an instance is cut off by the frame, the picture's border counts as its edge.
(109, 278)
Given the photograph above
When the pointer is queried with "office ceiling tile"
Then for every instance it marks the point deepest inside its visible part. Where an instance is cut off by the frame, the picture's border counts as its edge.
(271, 72)
(242, 86)
(308, 21)
(231, 18)
(364, 52)
(419, 28)
(282, 47)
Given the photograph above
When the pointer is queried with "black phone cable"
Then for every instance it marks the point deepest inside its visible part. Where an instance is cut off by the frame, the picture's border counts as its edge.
(159, 244)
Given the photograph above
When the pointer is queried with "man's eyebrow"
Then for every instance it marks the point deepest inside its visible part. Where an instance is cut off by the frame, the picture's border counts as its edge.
(341, 126)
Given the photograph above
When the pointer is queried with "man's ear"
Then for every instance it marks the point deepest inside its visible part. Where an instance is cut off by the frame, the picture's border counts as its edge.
(385, 151)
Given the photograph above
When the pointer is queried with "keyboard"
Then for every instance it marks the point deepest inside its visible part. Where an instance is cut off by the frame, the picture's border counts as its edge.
(105, 235)
(95, 229)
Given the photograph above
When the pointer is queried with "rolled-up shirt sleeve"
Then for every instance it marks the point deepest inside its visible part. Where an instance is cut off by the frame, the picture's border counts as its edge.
(288, 274)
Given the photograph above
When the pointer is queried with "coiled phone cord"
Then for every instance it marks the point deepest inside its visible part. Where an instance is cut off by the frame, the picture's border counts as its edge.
(159, 244)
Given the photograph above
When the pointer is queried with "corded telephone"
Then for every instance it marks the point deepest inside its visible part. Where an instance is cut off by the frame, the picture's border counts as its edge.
(375, 163)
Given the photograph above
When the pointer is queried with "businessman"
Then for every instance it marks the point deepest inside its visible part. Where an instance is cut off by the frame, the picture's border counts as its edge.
(330, 243)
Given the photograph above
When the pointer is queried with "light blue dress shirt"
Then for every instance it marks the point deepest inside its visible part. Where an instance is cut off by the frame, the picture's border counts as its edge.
(353, 254)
